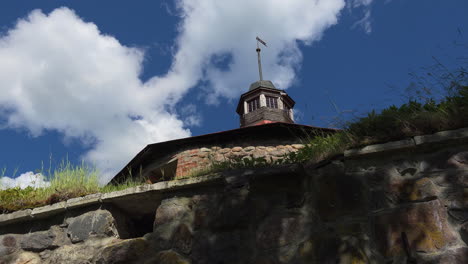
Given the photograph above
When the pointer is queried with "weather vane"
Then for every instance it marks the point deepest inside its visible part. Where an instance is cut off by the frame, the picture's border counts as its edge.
(259, 60)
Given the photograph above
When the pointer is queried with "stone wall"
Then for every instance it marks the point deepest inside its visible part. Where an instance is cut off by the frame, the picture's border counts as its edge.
(400, 202)
(193, 160)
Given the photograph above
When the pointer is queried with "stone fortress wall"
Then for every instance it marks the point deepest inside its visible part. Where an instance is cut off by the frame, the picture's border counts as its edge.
(399, 202)
(196, 159)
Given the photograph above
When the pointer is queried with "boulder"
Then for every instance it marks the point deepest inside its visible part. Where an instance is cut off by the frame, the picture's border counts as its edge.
(42, 240)
(99, 223)
(125, 251)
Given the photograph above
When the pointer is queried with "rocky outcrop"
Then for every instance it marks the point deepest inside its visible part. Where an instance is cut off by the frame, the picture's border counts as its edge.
(381, 204)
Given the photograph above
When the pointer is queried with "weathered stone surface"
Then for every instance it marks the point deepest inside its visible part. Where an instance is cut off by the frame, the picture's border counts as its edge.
(459, 160)
(459, 215)
(224, 150)
(27, 258)
(83, 201)
(456, 256)
(98, 223)
(48, 210)
(172, 208)
(15, 217)
(406, 143)
(425, 225)
(442, 136)
(280, 230)
(172, 226)
(227, 247)
(297, 146)
(182, 239)
(411, 191)
(232, 210)
(338, 194)
(122, 252)
(205, 150)
(9, 244)
(449, 177)
(77, 253)
(168, 257)
(259, 154)
(464, 233)
(248, 149)
(236, 149)
(42, 240)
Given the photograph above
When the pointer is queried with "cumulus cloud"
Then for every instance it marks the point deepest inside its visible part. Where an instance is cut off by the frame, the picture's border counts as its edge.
(24, 180)
(58, 72)
(212, 29)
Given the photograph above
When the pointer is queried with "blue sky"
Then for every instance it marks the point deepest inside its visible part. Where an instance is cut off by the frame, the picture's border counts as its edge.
(98, 80)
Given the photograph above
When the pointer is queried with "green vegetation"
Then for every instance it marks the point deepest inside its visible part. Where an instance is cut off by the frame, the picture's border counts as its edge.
(392, 123)
(67, 181)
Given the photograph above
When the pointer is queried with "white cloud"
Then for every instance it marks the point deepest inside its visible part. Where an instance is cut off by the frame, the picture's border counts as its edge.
(58, 72)
(212, 29)
(24, 180)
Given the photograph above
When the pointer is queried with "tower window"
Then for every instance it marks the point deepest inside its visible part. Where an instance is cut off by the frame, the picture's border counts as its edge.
(272, 102)
(253, 104)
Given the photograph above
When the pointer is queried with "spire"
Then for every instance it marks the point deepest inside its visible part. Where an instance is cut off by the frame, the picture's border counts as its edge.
(259, 59)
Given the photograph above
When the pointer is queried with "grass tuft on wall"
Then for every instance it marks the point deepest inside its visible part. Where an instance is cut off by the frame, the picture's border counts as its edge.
(65, 182)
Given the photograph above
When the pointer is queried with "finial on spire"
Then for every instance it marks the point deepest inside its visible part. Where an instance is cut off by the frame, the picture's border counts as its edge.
(259, 60)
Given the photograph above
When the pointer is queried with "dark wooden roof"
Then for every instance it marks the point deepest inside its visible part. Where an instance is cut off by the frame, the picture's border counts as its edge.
(273, 131)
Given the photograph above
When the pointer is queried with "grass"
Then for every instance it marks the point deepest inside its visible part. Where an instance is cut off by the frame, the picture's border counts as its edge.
(67, 181)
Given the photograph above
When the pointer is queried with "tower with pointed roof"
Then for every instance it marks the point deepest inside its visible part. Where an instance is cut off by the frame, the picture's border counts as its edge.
(264, 103)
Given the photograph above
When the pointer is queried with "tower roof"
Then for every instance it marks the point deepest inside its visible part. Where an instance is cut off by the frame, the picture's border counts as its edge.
(264, 83)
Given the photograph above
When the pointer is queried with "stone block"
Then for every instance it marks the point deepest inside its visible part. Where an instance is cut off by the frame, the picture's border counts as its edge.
(125, 251)
(278, 153)
(48, 210)
(99, 223)
(297, 146)
(248, 149)
(425, 225)
(236, 149)
(9, 244)
(394, 145)
(224, 150)
(15, 217)
(42, 240)
(83, 201)
(442, 136)
(205, 150)
(172, 208)
(259, 154)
